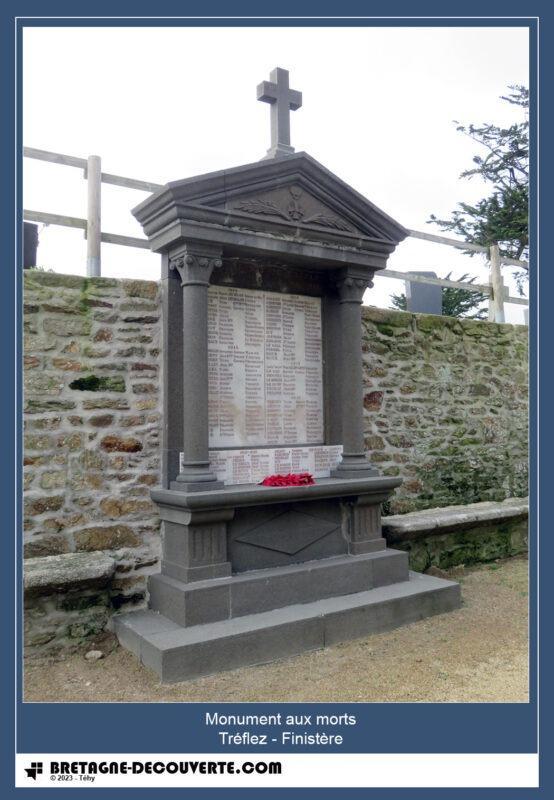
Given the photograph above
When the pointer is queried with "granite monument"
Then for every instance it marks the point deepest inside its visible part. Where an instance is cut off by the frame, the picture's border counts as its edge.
(264, 269)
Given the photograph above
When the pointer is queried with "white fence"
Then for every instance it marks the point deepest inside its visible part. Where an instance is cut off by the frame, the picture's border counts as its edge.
(92, 227)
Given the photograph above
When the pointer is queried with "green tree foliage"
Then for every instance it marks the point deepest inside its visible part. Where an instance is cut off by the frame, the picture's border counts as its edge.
(455, 302)
(502, 216)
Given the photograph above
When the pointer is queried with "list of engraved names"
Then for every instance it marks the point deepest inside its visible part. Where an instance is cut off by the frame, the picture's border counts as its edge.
(265, 368)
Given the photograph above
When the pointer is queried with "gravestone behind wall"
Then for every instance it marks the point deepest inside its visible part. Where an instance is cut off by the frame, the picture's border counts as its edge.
(423, 298)
(30, 245)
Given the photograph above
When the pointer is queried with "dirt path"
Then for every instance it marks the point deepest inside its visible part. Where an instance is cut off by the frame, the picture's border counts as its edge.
(475, 654)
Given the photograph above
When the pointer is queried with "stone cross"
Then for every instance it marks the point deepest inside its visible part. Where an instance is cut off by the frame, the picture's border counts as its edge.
(282, 100)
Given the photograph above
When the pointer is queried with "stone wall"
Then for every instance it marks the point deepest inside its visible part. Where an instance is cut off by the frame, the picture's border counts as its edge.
(445, 404)
(446, 407)
(91, 422)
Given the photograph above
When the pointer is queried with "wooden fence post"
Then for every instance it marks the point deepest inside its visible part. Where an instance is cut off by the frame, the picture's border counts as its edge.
(496, 298)
(94, 191)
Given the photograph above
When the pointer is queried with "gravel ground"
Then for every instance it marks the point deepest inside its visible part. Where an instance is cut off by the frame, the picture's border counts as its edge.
(476, 654)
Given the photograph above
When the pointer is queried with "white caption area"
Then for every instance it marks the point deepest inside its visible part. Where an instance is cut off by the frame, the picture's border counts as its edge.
(417, 770)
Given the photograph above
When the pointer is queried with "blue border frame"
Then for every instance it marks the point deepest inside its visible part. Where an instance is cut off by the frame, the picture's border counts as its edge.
(382, 727)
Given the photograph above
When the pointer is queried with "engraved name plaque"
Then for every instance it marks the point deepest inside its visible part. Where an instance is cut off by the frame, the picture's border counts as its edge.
(265, 368)
(254, 464)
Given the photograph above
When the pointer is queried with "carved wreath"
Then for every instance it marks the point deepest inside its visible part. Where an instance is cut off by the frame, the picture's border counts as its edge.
(294, 211)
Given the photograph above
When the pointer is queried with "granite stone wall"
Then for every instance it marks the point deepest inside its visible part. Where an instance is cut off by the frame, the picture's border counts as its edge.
(445, 404)
(91, 422)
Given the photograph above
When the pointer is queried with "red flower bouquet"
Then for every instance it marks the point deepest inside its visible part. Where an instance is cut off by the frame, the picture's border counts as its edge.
(293, 479)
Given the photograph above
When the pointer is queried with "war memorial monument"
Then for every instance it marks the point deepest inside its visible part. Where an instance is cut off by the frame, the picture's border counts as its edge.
(264, 268)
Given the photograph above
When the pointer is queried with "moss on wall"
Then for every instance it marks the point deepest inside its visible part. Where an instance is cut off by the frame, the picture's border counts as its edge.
(445, 407)
(469, 546)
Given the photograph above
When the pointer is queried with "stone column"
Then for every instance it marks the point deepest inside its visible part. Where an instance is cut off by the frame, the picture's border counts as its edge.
(353, 464)
(172, 371)
(195, 263)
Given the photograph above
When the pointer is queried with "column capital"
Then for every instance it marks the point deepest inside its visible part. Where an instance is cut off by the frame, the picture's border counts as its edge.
(195, 263)
(351, 286)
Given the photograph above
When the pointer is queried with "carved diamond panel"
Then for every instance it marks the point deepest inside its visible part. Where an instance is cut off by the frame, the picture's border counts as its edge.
(288, 533)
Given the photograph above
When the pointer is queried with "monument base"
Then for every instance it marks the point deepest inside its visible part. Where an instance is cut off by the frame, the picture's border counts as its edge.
(252, 573)
(179, 653)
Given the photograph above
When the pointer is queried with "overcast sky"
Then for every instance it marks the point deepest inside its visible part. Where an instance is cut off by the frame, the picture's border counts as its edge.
(161, 104)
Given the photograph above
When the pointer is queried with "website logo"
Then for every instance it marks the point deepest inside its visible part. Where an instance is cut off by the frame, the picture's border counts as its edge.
(34, 770)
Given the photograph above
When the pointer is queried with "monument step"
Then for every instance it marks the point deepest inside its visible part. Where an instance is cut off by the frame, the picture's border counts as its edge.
(217, 599)
(176, 653)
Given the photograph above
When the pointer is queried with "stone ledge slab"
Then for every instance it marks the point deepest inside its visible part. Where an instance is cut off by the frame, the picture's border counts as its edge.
(67, 572)
(238, 496)
(439, 520)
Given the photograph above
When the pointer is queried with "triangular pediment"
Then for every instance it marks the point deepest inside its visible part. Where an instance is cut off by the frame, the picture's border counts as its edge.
(295, 192)
(293, 204)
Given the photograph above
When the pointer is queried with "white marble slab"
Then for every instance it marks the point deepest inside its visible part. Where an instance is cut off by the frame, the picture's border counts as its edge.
(254, 464)
(265, 368)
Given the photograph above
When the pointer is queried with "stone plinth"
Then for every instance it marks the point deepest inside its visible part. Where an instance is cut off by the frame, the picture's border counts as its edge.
(253, 573)
(176, 652)
(238, 528)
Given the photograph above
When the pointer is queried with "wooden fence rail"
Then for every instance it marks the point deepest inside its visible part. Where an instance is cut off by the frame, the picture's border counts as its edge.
(92, 172)
(82, 163)
(77, 222)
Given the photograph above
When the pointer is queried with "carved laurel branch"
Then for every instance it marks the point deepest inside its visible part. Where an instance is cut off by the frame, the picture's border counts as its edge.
(269, 208)
(327, 222)
(262, 207)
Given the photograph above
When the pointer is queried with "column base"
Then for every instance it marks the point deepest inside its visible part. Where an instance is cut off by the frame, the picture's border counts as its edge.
(196, 480)
(196, 486)
(348, 472)
(354, 467)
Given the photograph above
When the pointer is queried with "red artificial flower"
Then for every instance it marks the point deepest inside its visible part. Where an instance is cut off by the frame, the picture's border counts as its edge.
(292, 479)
